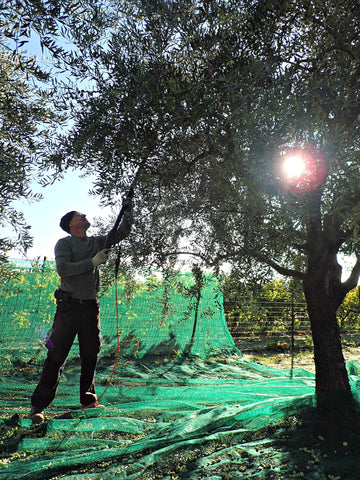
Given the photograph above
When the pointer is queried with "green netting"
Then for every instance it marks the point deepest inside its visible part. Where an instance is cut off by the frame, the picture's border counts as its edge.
(155, 317)
(169, 416)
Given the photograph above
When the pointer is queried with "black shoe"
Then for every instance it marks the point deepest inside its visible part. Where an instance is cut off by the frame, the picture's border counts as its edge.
(91, 401)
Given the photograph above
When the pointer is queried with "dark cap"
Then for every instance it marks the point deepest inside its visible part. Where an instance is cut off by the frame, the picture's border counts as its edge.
(65, 220)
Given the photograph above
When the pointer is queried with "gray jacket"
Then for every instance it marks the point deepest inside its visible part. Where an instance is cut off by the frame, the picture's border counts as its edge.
(73, 256)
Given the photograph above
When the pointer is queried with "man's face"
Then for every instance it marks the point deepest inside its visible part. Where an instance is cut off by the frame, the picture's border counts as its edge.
(79, 221)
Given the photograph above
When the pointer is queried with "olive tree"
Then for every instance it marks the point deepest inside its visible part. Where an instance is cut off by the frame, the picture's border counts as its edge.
(209, 99)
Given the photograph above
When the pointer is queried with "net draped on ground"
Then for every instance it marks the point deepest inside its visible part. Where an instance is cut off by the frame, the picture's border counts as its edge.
(175, 409)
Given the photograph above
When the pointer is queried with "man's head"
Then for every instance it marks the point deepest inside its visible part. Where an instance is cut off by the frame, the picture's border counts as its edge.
(74, 223)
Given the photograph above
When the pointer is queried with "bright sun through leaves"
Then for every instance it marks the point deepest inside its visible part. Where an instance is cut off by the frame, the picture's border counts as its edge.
(303, 168)
(293, 166)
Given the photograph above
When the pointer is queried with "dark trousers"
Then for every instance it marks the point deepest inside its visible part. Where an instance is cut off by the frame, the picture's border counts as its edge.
(71, 319)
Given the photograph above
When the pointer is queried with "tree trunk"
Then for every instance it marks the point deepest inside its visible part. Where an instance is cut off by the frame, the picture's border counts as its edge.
(330, 369)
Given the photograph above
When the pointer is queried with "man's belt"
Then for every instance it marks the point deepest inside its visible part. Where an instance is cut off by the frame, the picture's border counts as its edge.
(62, 296)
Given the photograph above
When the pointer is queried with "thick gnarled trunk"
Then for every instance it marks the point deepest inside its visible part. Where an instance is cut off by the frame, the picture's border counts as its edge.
(330, 367)
(324, 293)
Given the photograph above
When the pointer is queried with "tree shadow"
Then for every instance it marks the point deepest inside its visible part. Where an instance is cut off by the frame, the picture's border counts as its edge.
(323, 441)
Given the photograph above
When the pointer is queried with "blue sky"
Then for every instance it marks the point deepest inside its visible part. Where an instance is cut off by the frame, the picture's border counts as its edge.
(71, 193)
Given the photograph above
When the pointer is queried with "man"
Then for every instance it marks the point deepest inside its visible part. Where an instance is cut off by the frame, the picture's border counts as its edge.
(77, 260)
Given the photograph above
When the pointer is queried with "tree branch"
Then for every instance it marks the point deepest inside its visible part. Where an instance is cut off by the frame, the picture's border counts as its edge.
(353, 279)
(289, 272)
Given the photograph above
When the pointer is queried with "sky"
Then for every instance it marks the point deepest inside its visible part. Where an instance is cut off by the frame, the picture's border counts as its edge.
(71, 193)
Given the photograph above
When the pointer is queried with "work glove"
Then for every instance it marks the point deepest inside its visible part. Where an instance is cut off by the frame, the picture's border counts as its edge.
(100, 258)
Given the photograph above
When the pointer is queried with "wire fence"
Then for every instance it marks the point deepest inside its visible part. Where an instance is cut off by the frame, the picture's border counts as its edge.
(281, 325)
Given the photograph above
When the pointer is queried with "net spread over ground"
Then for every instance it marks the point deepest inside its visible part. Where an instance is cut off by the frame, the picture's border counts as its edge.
(183, 403)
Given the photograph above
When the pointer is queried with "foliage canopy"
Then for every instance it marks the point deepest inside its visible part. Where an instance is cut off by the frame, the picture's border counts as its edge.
(206, 95)
(32, 94)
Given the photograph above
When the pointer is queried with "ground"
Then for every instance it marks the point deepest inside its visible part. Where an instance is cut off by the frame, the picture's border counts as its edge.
(302, 359)
(232, 424)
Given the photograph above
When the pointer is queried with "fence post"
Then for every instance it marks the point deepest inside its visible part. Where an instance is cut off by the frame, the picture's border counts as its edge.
(292, 336)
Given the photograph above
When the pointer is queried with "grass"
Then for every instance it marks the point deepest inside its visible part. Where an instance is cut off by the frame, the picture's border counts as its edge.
(302, 359)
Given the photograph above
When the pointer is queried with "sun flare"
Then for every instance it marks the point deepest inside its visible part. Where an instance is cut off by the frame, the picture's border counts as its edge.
(302, 168)
(293, 166)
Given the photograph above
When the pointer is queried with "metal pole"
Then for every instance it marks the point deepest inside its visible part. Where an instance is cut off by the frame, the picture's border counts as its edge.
(292, 336)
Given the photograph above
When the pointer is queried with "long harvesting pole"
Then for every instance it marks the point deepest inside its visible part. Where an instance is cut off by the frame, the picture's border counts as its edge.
(130, 194)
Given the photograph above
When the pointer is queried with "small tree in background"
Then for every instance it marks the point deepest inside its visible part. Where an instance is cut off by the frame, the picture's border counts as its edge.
(348, 313)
